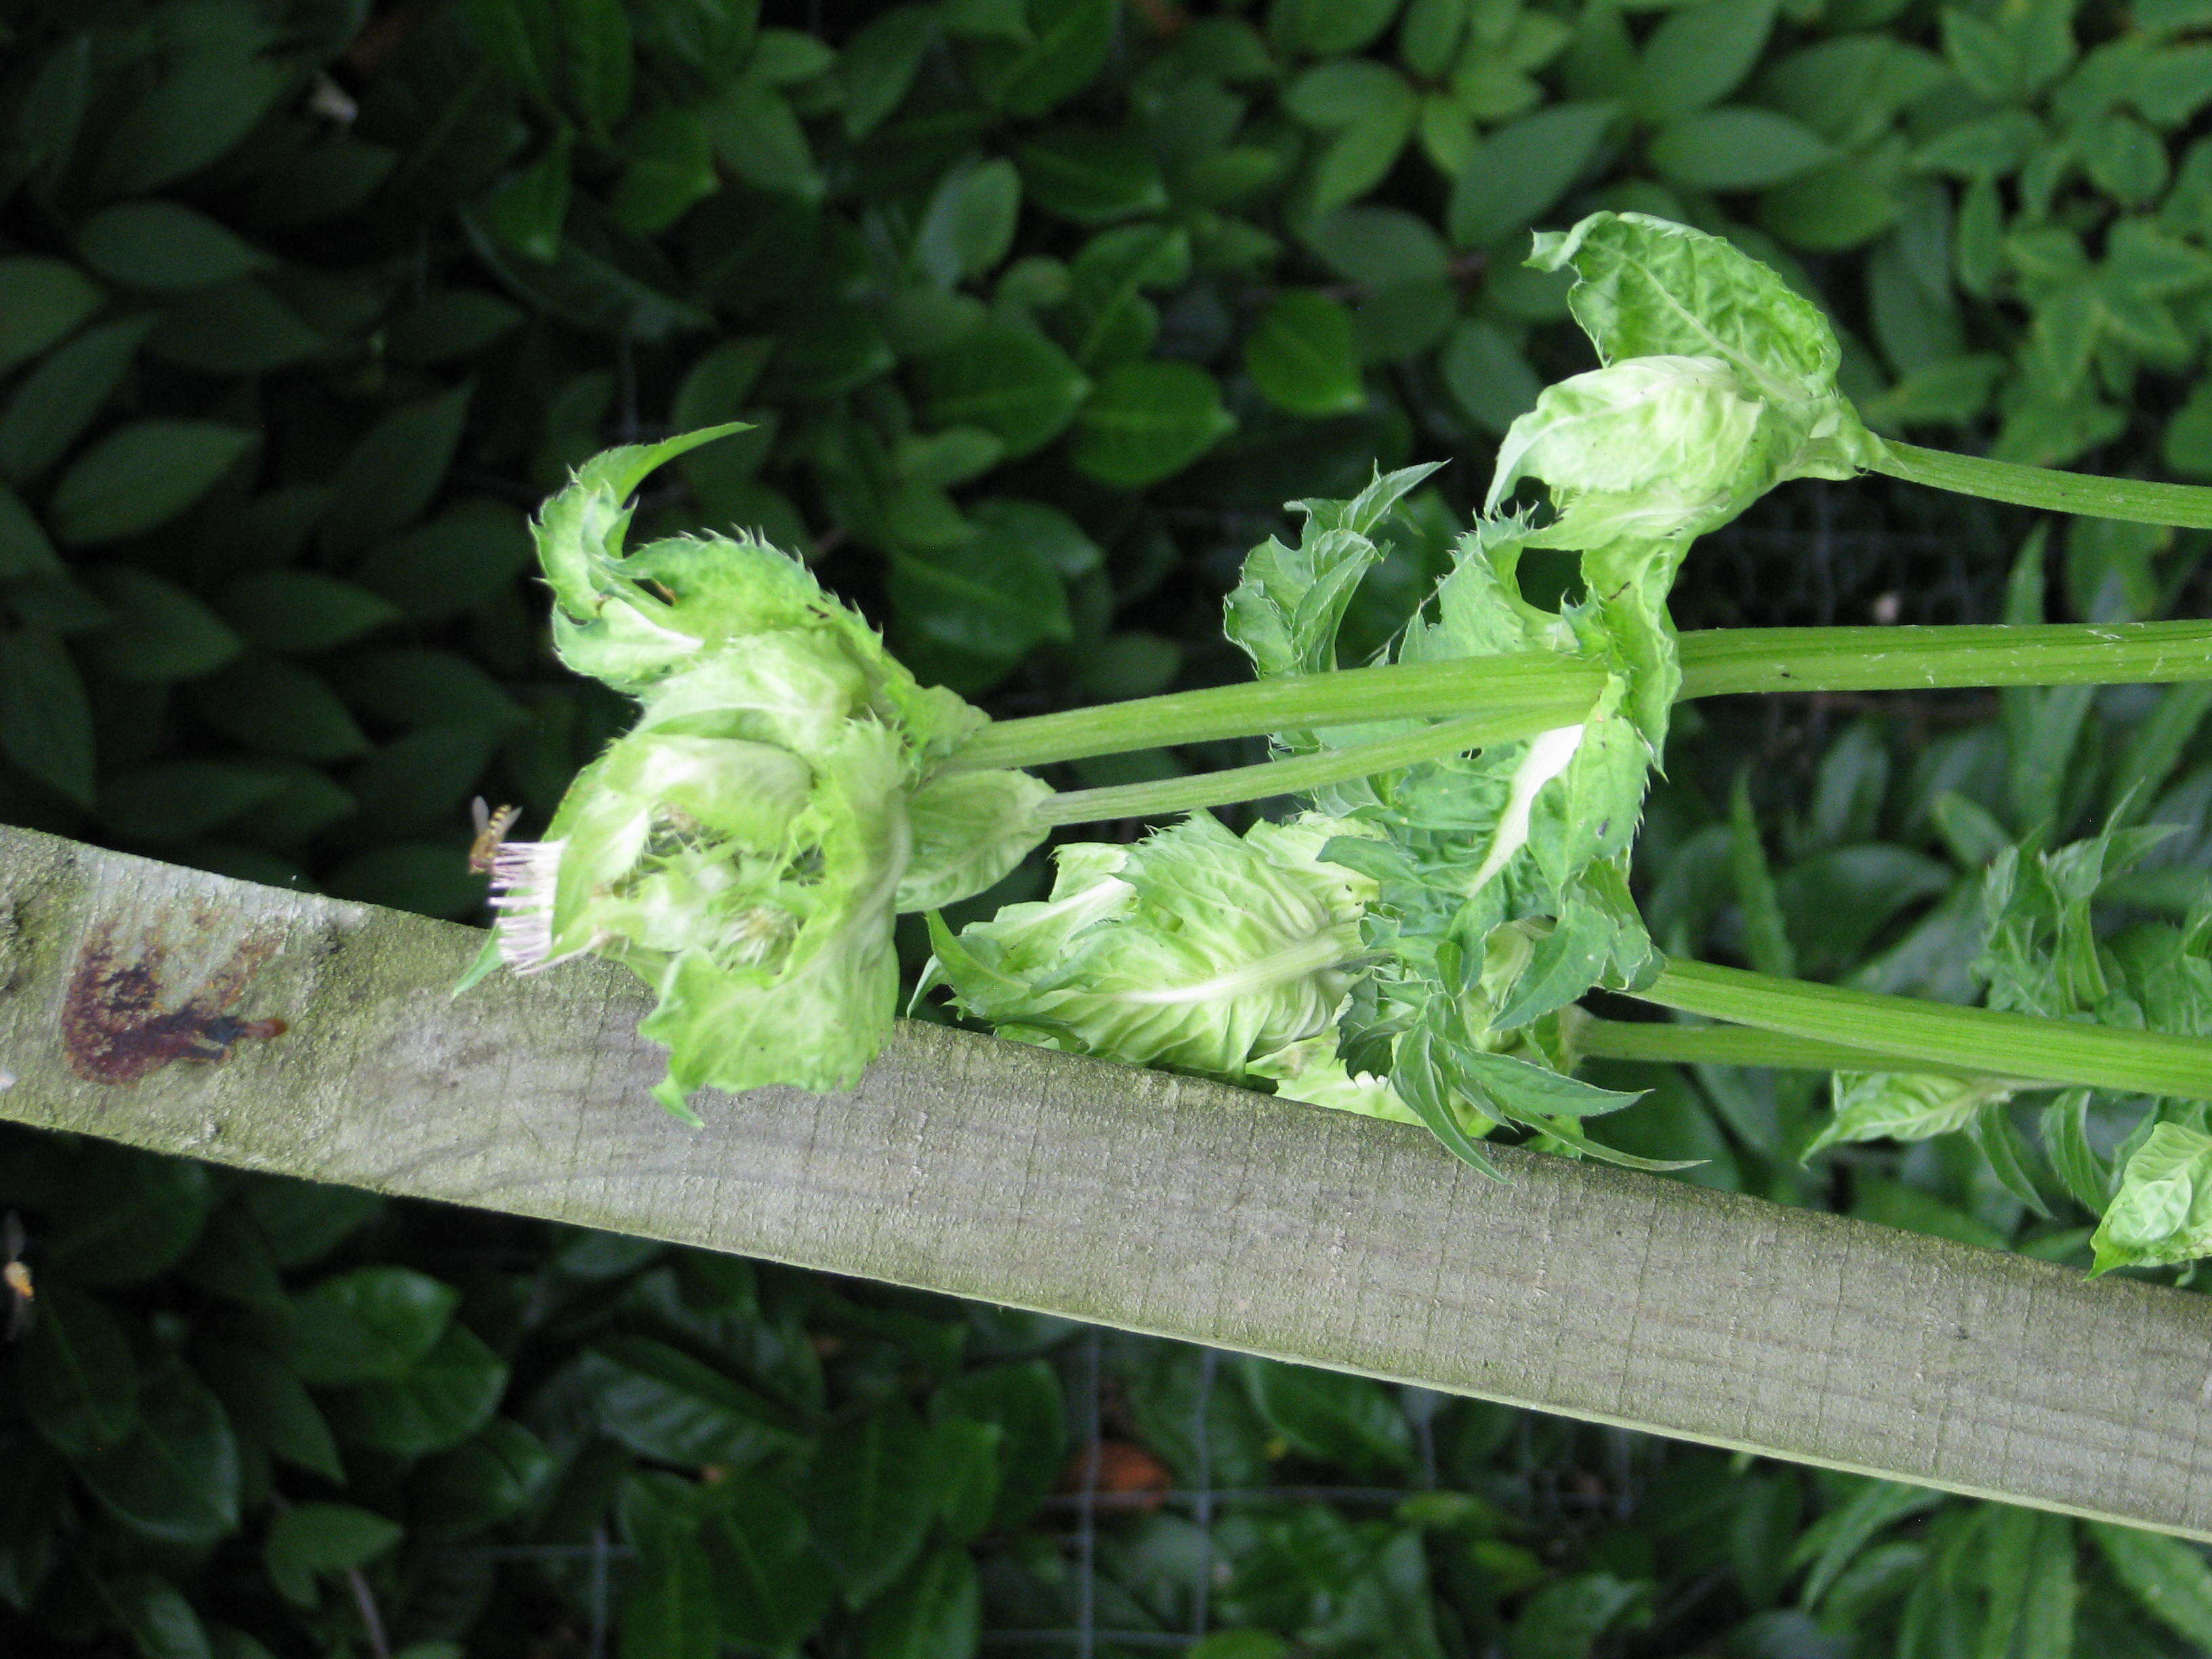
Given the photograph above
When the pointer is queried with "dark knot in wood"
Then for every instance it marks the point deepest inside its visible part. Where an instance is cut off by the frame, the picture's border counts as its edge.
(121, 1020)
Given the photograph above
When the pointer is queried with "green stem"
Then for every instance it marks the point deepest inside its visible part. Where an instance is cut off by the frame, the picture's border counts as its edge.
(1979, 1039)
(1561, 685)
(1302, 772)
(1733, 1045)
(1715, 663)
(2187, 505)
(1720, 661)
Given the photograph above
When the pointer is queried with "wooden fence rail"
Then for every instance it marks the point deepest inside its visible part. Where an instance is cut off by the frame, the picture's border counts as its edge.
(190, 1014)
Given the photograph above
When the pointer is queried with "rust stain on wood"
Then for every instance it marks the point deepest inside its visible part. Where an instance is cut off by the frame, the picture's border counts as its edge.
(121, 1018)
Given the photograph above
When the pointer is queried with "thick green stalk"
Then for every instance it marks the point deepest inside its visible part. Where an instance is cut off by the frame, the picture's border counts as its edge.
(1716, 662)
(2186, 506)
(1979, 1040)
(1302, 772)
(1560, 685)
(1592, 1038)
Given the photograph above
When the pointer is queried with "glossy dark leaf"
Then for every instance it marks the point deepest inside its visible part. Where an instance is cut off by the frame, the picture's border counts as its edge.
(480, 1482)
(671, 1610)
(175, 1478)
(870, 1498)
(310, 1539)
(75, 1376)
(369, 1324)
(1009, 380)
(934, 1612)
(1326, 1414)
(305, 1220)
(391, 475)
(436, 1402)
(130, 1216)
(1148, 421)
(1023, 1403)
(770, 1586)
(665, 1405)
(269, 1405)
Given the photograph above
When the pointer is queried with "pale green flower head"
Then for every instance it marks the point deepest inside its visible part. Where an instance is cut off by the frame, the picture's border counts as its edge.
(2163, 1212)
(1196, 949)
(745, 848)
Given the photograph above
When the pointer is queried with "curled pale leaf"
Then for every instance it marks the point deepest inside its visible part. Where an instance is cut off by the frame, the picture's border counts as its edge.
(1648, 288)
(1313, 1071)
(1649, 449)
(2162, 1212)
(969, 829)
(1904, 1106)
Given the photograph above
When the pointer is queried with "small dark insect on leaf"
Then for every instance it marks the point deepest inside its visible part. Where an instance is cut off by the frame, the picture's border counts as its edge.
(15, 1275)
(491, 830)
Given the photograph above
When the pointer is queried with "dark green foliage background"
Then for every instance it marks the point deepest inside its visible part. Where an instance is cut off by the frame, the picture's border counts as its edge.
(1041, 318)
(1041, 309)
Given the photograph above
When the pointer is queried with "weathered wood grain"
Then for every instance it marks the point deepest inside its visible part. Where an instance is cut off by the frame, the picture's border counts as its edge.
(1126, 1197)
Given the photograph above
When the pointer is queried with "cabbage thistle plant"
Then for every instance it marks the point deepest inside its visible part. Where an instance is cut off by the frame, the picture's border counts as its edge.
(746, 845)
(1414, 940)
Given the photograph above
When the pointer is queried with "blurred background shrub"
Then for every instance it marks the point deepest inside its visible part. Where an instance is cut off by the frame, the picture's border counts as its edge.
(1041, 309)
